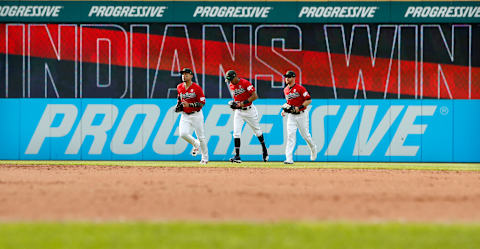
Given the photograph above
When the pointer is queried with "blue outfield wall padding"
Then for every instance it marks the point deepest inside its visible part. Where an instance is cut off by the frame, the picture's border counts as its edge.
(147, 129)
(10, 130)
(441, 123)
(466, 131)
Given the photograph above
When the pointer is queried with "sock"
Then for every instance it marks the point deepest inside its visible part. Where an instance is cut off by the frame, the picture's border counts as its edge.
(262, 141)
(237, 146)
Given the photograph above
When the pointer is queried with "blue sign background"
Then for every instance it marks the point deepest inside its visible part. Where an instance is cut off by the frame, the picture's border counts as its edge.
(451, 134)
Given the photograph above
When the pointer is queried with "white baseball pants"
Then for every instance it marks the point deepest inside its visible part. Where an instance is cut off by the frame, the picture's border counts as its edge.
(191, 122)
(250, 116)
(301, 122)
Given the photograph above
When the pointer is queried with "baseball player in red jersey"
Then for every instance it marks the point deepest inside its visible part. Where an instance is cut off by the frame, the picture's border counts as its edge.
(244, 94)
(190, 102)
(297, 101)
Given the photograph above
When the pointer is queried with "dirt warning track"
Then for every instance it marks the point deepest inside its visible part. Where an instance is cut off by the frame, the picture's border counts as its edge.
(241, 194)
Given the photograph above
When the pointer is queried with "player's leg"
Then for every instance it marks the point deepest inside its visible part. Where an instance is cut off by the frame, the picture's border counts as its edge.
(251, 116)
(185, 129)
(303, 128)
(199, 126)
(291, 138)
(261, 139)
(237, 131)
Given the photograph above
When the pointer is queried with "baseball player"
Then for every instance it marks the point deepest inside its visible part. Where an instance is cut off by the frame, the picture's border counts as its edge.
(297, 101)
(190, 102)
(244, 94)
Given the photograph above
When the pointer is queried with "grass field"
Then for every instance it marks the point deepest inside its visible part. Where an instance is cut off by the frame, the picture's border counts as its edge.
(310, 165)
(234, 235)
(198, 235)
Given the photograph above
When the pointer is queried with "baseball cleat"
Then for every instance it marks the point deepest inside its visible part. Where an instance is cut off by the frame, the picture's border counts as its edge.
(265, 157)
(235, 159)
(203, 162)
(287, 162)
(194, 152)
(195, 149)
(313, 154)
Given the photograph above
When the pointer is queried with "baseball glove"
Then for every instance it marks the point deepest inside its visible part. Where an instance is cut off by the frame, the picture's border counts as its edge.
(288, 108)
(233, 104)
(179, 107)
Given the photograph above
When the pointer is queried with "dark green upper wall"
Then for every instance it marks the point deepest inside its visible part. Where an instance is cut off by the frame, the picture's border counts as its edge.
(241, 12)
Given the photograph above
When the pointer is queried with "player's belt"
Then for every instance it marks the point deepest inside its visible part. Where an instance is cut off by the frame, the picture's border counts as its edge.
(246, 108)
(190, 113)
(300, 112)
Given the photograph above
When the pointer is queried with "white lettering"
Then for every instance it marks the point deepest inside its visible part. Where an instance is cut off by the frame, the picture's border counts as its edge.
(98, 131)
(30, 11)
(44, 128)
(338, 12)
(331, 134)
(364, 146)
(231, 12)
(127, 11)
(406, 128)
(304, 11)
(118, 146)
(342, 130)
(442, 11)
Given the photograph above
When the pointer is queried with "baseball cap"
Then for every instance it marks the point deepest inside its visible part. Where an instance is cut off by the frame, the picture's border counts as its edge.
(289, 74)
(186, 70)
(230, 75)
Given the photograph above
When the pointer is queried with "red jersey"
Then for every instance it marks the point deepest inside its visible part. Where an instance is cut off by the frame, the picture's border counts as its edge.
(296, 95)
(242, 90)
(191, 95)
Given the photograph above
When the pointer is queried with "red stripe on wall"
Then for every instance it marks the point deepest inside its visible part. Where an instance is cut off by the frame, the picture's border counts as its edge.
(317, 67)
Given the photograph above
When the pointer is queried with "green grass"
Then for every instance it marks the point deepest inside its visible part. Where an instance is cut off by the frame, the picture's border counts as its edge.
(310, 165)
(234, 235)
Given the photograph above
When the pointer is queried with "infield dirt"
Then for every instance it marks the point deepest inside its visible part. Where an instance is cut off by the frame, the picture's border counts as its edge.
(106, 193)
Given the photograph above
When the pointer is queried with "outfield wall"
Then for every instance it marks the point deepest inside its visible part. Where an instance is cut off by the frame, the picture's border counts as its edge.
(390, 80)
(344, 61)
(146, 129)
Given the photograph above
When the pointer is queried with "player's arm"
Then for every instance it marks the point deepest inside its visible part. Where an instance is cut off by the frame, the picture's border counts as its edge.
(306, 102)
(196, 104)
(252, 97)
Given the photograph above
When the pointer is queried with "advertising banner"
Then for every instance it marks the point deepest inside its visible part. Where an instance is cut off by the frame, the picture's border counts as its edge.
(339, 61)
(242, 12)
(146, 129)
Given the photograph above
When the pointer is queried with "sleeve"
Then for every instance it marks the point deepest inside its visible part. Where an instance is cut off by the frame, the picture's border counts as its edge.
(305, 94)
(250, 88)
(200, 95)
